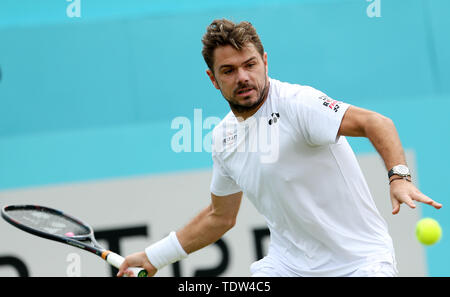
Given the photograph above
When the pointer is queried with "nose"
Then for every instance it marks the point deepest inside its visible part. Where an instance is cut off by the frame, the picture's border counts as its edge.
(242, 75)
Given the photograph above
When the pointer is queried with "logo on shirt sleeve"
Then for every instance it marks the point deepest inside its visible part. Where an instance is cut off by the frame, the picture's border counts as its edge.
(330, 103)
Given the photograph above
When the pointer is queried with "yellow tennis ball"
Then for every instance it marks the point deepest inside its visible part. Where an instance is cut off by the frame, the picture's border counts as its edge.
(428, 231)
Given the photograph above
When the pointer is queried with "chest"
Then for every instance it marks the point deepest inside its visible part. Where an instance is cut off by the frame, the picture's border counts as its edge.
(262, 152)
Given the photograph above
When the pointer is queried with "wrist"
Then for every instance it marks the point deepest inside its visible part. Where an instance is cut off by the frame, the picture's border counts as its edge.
(399, 170)
(166, 251)
(397, 177)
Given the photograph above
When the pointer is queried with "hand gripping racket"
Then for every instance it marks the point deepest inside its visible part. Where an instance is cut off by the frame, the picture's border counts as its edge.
(55, 225)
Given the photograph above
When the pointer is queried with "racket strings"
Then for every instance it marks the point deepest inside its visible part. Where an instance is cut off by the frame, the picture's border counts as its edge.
(48, 222)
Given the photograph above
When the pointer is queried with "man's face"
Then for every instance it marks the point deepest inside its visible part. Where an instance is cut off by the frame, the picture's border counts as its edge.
(241, 76)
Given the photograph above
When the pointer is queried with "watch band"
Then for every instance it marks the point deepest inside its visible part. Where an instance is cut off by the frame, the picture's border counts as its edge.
(402, 177)
(391, 173)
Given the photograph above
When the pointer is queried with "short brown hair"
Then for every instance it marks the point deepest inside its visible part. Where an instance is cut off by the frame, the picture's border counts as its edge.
(224, 32)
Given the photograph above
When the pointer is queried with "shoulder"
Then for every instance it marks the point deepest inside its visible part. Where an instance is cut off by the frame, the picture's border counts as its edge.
(228, 121)
(295, 98)
(294, 93)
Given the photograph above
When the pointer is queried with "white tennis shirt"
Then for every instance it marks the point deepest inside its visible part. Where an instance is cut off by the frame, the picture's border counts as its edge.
(305, 181)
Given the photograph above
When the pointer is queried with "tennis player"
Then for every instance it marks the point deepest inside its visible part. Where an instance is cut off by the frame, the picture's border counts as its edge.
(305, 181)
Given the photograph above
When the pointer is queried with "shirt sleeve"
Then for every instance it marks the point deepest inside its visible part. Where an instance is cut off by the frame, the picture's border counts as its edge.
(317, 116)
(221, 183)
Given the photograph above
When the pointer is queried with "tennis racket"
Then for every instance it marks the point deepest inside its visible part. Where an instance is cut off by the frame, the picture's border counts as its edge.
(55, 225)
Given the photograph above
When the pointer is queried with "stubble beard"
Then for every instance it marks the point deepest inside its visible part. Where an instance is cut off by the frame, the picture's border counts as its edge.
(243, 108)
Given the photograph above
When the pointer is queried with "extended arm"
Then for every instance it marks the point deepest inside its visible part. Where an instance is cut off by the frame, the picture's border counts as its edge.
(382, 133)
(213, 222)
(206, 228)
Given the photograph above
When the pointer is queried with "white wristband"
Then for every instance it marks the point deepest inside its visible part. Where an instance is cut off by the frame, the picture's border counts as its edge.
(166, 251)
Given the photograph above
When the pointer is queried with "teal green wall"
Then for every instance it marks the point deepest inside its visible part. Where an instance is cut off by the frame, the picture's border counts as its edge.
(93, 97)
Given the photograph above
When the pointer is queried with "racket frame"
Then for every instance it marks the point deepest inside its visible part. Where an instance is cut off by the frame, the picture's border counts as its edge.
(78, 241)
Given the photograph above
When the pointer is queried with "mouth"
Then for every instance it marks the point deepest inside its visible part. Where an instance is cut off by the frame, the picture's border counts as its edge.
(245, 92)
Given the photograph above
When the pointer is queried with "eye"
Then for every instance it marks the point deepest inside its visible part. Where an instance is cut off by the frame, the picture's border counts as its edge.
(250, 65)
(228, 71)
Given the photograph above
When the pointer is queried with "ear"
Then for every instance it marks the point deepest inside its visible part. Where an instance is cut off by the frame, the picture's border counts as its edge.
(212, 78)
(265, 63)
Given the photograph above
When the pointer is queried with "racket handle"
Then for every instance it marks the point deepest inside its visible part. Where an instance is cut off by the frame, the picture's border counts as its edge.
(117, 260)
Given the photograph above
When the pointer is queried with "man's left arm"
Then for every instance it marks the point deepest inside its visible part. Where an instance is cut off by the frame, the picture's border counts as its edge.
(381, 132)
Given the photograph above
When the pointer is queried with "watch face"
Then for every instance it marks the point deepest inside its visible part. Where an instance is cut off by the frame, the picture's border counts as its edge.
(402, 169)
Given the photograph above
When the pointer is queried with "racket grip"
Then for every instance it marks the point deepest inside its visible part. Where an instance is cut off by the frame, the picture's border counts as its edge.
(117, 260)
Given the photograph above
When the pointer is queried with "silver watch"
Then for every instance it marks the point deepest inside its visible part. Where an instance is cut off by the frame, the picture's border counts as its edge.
(400, 170)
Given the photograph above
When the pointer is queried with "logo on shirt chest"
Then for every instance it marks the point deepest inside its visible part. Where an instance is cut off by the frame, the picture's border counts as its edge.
(255, 137)
(230, 138)
(274, 118)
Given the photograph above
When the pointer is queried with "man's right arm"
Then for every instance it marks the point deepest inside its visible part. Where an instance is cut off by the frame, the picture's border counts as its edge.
(211, 223)
(206, 228)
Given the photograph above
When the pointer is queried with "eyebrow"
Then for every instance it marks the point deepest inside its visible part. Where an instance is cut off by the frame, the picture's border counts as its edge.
(229, 65)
